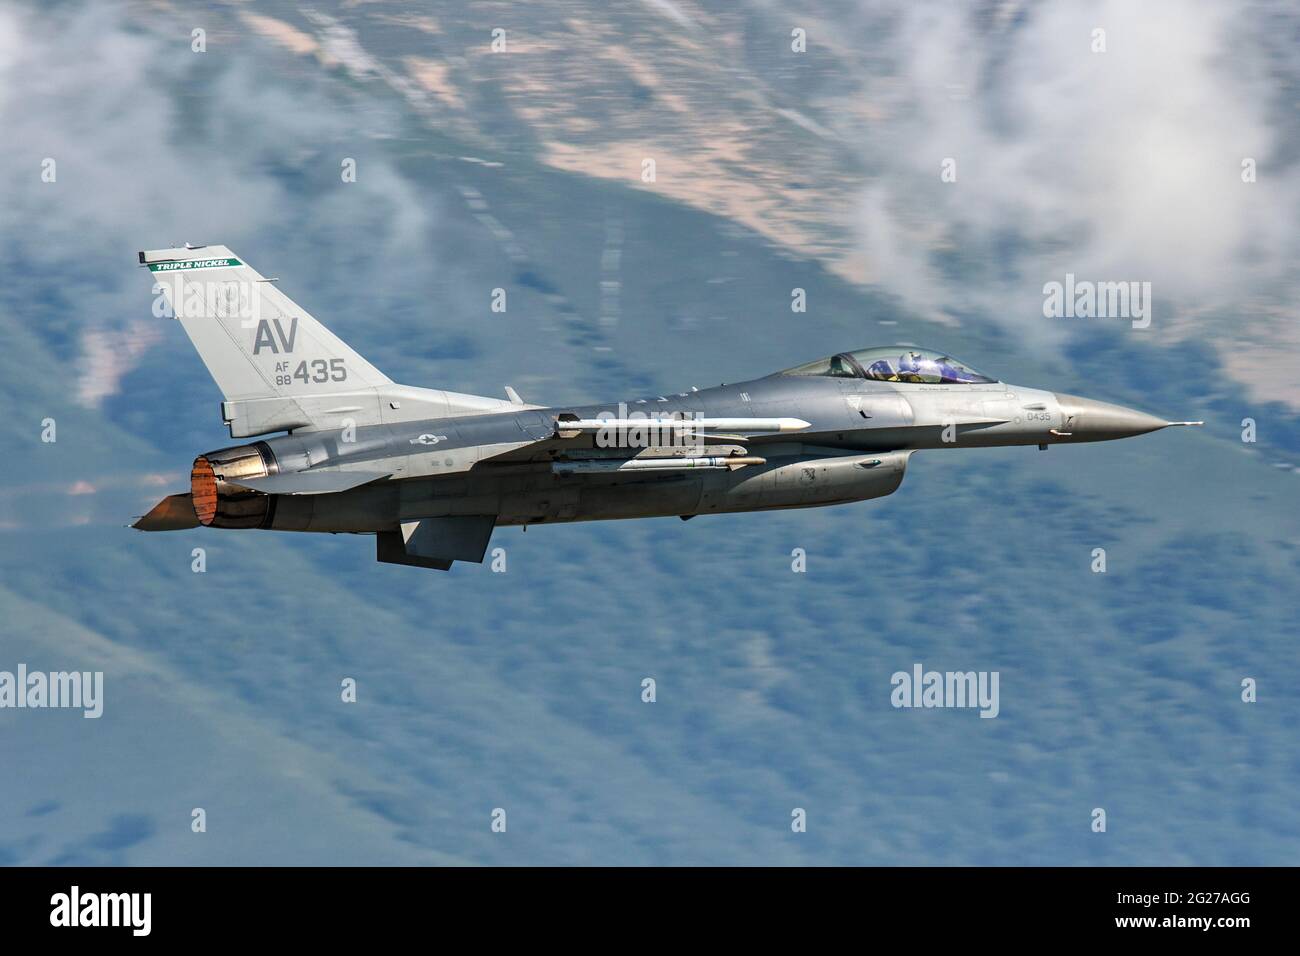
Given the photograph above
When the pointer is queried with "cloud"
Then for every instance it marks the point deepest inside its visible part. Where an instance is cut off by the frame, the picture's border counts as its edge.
(154, 146)
(1116, 165)
(108, 354)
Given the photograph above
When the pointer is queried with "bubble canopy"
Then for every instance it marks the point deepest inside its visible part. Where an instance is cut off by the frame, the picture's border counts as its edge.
(895, 363)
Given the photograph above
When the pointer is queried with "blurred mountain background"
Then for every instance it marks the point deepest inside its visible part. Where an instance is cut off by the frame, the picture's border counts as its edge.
(775, 170)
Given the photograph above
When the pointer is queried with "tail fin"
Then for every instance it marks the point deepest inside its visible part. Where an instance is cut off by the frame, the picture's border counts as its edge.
(278, 368)
(257, 343)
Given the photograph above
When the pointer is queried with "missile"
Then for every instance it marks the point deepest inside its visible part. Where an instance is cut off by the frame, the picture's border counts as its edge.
(616, 465)
(577, 425)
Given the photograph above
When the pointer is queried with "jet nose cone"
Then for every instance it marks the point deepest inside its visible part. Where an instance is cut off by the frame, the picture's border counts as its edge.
(1088, 420)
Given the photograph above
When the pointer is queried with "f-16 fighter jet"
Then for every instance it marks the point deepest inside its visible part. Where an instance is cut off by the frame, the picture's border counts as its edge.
(431, 473)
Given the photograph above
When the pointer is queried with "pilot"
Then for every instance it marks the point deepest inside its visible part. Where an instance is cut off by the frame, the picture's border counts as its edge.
(914, 367)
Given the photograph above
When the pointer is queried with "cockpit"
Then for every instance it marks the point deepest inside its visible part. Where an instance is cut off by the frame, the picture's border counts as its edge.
(899, 363)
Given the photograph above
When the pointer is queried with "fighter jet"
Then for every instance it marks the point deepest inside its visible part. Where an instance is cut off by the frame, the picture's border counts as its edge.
(431, 473)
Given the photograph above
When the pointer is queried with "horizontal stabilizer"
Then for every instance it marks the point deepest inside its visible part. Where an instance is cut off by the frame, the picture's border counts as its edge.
(173, 513)
(310, 482)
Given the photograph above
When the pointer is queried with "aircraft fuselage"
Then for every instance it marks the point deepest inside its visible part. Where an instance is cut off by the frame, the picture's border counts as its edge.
(859, 438)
